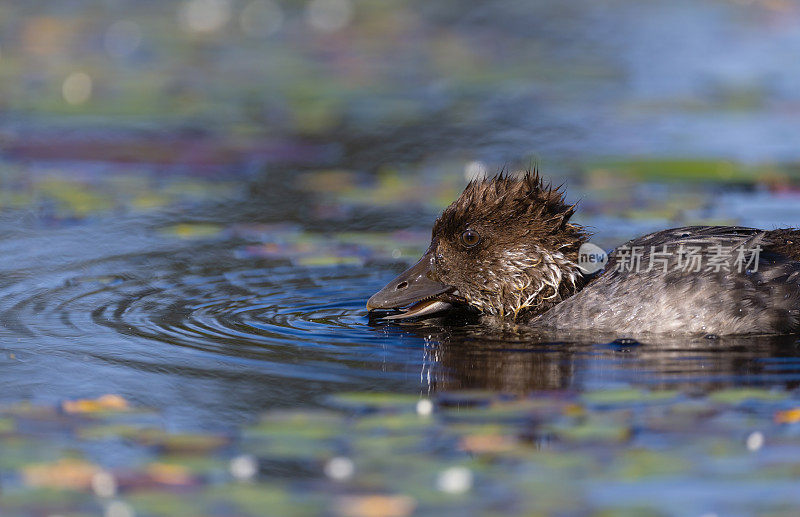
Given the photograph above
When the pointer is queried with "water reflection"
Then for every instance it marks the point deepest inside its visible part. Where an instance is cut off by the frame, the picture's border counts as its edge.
(471, 356)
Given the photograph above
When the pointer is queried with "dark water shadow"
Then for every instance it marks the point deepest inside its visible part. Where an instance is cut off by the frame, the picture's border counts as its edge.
(462, 353)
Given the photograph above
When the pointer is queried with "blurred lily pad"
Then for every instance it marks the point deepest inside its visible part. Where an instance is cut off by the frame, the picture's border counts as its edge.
(375, 400)
(738, 395)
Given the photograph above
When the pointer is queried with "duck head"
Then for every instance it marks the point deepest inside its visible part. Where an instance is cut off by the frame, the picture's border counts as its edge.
(505, 247)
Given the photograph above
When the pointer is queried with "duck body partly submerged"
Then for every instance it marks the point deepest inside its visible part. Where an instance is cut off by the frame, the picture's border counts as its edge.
(753, 289)
(506, 247)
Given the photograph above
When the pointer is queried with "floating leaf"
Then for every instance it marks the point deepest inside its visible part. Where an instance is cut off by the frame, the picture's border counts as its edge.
(597, 429)
(738, 395)
(178, 442)
(790, 416)
(375, 400)
(170, 474)
(330, 260)
(626, 396)
(487, 443)
(104, 403)
(160, 503)
(375, 506)
(192, 231)
(70, 473)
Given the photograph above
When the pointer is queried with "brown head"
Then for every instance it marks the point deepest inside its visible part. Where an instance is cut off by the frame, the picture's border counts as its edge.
(505, 247)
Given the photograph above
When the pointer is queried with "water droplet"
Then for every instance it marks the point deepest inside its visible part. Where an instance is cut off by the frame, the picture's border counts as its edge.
(119, 509)
(755, 441)
(77, 88)
(455, 480)
(424, 407)
(340, 468)
(244, 467)
(104, 485)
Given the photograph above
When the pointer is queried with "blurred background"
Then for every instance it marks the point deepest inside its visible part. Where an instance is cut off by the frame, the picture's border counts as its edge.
(377, 84)
(603, 94)
(198, 196)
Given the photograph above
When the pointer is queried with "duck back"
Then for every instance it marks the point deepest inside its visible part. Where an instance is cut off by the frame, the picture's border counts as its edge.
(700, 279)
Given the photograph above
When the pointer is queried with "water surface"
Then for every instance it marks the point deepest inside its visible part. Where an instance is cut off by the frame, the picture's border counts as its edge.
(249, 295)
(198, 231)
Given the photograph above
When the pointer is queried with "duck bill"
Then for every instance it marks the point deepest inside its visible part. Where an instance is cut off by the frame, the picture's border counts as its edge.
(417, 291)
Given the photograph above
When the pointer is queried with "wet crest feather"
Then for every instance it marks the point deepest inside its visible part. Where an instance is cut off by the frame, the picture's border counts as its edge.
(525, 198)
(529, 261)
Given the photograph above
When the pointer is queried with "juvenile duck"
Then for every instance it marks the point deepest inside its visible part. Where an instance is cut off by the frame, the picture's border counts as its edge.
(507, 248)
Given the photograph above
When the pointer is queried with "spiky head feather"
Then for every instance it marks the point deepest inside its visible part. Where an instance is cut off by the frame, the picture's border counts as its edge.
(526, 260)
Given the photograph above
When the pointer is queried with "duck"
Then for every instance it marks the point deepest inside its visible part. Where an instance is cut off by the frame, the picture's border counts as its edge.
(508, 250)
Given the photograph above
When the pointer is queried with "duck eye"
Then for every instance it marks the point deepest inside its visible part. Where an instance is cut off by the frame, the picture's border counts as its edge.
(470, 238)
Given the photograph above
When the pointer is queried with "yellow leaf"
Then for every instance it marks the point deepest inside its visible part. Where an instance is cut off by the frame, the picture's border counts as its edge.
(487, 443)
(789, 416)
(169, 474)
(104, 403)
(376, 506)
(66, 473)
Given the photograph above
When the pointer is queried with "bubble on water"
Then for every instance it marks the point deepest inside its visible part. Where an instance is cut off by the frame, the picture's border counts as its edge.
(424, 407)
(122, 38)
(475, 170)
(396, 253)
(104, 485)
(244, 467)
(340, 468)
(204, 15)
(755, 441)
(77, 88)
(119, 509)
(455, 480)
(261, 18)
(329, 15)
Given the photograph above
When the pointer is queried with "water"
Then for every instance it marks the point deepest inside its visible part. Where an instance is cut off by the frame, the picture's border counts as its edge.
(246, 298)
(206, 265)
(113, 306)
(196, 222)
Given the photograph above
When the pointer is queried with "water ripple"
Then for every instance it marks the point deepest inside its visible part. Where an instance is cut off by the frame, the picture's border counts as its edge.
(260, 316)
